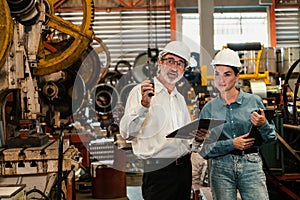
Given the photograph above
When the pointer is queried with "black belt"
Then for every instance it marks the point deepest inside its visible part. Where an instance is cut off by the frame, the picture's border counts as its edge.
(168, 161)
(247, 151)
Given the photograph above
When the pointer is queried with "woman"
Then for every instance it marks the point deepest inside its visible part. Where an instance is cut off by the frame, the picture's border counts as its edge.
(236, 163)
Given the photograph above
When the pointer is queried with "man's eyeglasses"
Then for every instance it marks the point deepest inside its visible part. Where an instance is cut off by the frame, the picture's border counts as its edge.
(170, 61)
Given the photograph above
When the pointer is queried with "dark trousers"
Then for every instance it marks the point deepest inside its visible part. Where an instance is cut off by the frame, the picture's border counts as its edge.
(172, 182)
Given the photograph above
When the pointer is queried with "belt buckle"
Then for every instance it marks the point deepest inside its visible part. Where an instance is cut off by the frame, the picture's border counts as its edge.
(242, 152)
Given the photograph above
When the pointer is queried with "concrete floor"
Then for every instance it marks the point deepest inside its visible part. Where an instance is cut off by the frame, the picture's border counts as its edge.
(134, 193)
(133, 190)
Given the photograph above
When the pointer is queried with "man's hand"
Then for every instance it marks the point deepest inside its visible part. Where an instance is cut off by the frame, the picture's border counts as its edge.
(146, 88)
(242, 142)
(201, 135)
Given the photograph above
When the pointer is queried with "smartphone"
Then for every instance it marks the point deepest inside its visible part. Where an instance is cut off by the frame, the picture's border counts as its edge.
(259, 112)
(253, 129)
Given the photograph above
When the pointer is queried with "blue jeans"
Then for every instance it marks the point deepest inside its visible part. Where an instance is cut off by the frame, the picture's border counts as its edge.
(230, 173)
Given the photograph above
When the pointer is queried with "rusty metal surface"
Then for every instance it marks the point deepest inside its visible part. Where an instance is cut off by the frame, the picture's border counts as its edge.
(118, 3)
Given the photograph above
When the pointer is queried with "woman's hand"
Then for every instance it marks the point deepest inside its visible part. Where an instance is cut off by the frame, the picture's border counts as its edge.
(258, 118)
(243, 142)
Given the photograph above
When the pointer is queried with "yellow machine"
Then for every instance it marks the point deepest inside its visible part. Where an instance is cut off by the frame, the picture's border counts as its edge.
(254, 60)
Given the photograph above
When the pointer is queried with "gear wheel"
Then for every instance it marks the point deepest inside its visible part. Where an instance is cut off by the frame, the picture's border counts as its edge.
(6, 30)
(55, 56)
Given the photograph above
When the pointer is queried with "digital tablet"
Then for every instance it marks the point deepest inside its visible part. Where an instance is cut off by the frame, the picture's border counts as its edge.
(185, 132)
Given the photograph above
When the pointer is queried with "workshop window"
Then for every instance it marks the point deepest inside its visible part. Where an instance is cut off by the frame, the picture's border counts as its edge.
(231, 27)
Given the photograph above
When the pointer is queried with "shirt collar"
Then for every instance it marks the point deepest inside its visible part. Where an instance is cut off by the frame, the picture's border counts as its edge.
(159, 87)
(239, 99)
(241, 96)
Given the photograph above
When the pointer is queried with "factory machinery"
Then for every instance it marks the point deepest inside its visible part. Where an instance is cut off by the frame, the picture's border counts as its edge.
(59, 95)
(44, 76)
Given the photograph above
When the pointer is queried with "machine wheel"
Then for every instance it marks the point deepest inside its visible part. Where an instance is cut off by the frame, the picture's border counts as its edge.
(57, 55)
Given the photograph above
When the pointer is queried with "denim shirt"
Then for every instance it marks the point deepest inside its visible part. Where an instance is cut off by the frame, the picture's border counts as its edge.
(237, 116)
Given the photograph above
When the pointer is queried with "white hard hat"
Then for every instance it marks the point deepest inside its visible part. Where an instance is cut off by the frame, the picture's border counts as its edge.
(179, 49)
(227, 57)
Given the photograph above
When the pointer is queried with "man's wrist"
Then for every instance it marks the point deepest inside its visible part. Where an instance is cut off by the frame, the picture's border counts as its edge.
(145, 104)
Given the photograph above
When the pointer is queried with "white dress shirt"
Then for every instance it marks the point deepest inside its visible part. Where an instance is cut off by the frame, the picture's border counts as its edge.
(149, 126)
